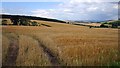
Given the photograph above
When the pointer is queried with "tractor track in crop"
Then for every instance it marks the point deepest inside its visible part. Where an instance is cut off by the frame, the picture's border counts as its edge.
(12, 52)
(52, 57)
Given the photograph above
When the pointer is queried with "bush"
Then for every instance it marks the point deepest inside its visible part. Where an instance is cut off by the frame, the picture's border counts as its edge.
(105, 23)
(4, 22)
(24, 21)
(104, 26)
(20, 21)
(34, 23)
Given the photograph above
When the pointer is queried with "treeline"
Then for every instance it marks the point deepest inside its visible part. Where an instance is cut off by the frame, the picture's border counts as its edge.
(90, 26)
(30, 17)
(20, 21)
(114, 24)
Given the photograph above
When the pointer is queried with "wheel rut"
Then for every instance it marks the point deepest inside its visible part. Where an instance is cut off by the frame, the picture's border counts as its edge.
(52, 57)
(12, 52)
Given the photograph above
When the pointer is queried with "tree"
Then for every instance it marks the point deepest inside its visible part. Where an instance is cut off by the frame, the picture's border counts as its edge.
(24, 21)
(20, 21)
(34, 23)
(15, 20)
(115, 24)
(103, 25)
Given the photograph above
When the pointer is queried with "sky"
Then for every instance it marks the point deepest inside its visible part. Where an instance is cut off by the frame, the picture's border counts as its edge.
(98, 10)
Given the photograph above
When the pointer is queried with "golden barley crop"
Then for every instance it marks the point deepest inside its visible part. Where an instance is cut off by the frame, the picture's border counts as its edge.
(73, 45)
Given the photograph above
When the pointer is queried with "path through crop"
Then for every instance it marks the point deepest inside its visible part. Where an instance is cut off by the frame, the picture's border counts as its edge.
(14, 49)
(12, 52)
(52, 57)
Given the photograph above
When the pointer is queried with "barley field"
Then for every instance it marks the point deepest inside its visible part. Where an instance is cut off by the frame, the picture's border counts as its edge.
(59, 45)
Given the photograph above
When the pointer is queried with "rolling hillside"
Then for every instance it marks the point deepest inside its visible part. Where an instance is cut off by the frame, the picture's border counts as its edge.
(59, 45)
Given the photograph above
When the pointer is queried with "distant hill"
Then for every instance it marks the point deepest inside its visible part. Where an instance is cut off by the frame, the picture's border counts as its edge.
(88, 21)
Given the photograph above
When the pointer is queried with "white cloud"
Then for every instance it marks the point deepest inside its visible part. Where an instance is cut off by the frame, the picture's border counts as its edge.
(4, 13)
(30, 0)
(60, 1)
(73, 1)
(67, 10)
(43, 13)
(92, 8)
(115, 6)
(80, 11)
